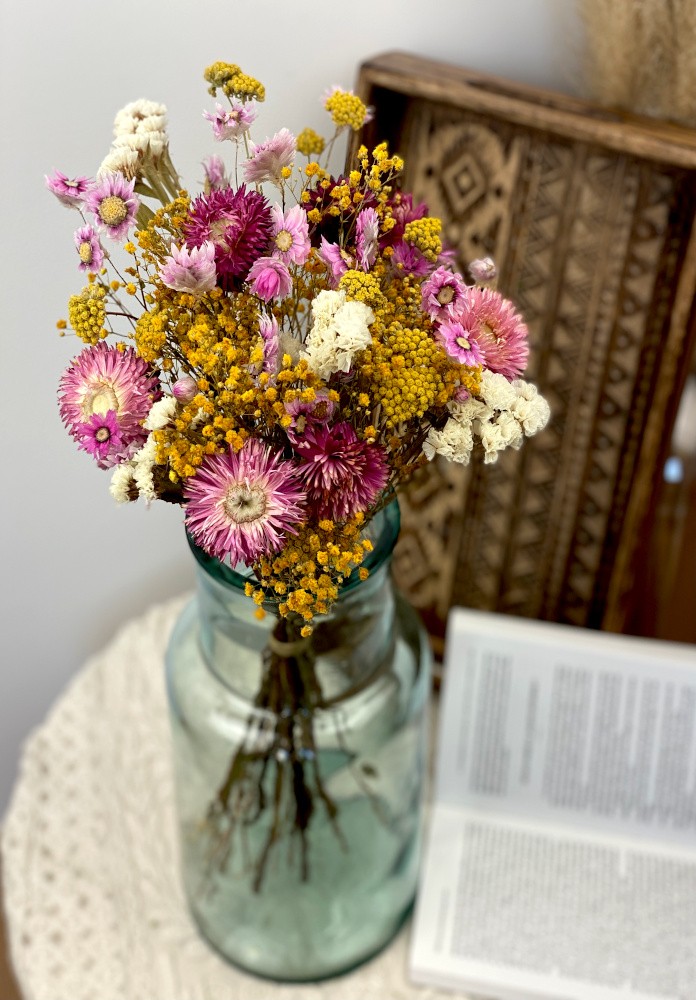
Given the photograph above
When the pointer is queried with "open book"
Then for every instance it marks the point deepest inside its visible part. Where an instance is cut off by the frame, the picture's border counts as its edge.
(561, 860)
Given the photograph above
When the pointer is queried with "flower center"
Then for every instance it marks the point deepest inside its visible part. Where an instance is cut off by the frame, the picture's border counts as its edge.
(445, 295)
(218, 229)
(113, 210)
(85, 252)
(463, 342)
(102, 435)
(283, 240)
(244, 503)
(101, 399)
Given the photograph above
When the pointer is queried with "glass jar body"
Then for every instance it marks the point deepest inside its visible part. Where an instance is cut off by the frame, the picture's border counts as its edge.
(330, 896)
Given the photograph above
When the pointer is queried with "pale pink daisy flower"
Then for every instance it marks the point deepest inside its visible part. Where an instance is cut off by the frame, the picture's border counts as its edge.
(113, 204)
(270, 158)
(459, 339)
(190, 270)
(337, 260)
(344, 475)
(268, 328)
(102, 438)
(89, 249)
(241, 506)
(290, 235)
(215, 175)
(185, 388)
(269, 279)
(306, 415)
(232, 122)
(69, 191)
(102, 379)
(443, 295)
(366, 233)
(500, 331)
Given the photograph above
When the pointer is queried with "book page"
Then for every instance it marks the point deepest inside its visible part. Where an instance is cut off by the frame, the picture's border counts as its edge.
(561, 860)
(569, 725)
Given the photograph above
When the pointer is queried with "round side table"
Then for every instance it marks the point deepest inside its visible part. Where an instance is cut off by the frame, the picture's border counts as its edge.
(90, 864)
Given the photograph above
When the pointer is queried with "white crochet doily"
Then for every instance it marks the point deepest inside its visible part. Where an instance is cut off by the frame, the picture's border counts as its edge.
(94, 904)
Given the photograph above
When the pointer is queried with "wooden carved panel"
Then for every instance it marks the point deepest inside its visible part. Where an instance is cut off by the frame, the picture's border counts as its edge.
(589, 219)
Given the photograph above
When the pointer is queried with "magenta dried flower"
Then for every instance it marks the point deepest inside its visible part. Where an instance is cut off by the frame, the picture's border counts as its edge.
(344, 475)
(237, 222)
(232, 122)
(500, 331)
(290, 235)
(443, 294)
(270, 279)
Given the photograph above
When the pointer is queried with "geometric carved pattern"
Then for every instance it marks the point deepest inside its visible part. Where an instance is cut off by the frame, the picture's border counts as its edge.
(590, 226)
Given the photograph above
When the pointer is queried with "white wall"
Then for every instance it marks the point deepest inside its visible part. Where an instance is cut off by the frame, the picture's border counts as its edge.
(73, 565)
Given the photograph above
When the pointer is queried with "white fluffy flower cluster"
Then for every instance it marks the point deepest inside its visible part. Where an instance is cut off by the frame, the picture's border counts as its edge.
(506, 414)
(137, 472)
(140, 130)
(339, 330)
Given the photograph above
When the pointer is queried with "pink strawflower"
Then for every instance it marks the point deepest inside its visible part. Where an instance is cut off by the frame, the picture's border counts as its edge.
(190, 270)
(306, 416)
(101, 436)
(68, 191)
(460, 341)
(241, 506)
(237, 222)
(269, 279)
(268, 328)
(344, 475)
(366, 233)
(89, 249)
(232, 122)
(408, 259)
(102, 379)
(500, 331)
(290, 235)
(443, 295)
(269, 158)
(185, 388)
(215, 176)
(113, 204)
(336, 259)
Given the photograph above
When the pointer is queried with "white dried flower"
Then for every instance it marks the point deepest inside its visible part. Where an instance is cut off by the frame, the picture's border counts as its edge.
(454, 442)
(120, 161)
(161, 413)
(133, 117)
(339, 330)
(143, 462)
(121, 483)
(530, 408)
(497, 391)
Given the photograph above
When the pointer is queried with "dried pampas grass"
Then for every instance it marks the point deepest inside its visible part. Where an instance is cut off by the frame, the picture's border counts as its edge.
(641, 56)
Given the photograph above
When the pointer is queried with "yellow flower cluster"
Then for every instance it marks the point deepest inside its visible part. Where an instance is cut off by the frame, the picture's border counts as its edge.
(405, 370)
(310, 143)
(363, 286)
(232, 81)
(306, 575)
(424, 234)
(87, 313)
(346, 109)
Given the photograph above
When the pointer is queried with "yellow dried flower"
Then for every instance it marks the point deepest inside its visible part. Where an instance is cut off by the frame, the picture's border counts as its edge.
(87, 313)
(310, 143)
(346, 109)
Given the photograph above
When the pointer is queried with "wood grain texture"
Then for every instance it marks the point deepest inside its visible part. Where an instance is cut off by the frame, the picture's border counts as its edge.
(589, 216)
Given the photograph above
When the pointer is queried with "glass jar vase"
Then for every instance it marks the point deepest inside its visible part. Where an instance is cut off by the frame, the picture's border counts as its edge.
(299, 768)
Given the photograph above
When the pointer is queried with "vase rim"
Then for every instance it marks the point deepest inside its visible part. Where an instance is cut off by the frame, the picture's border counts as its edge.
(383, 547)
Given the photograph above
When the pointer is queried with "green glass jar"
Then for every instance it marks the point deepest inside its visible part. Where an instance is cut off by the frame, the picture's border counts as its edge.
(299, 769)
